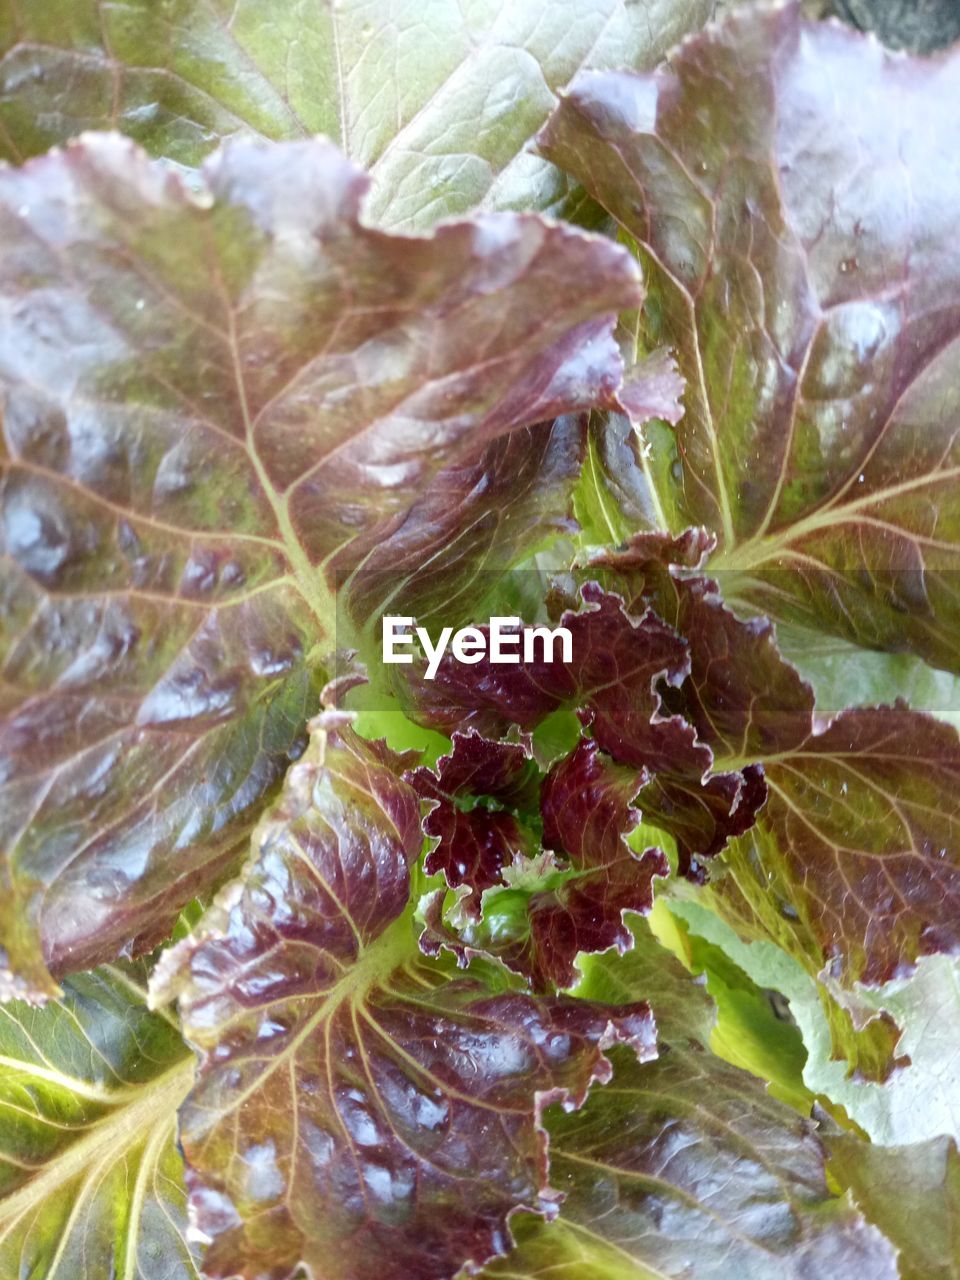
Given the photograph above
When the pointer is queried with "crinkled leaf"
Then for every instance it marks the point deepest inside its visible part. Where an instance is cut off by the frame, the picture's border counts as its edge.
(91, 1181)
(576, 892)
(912, 1194)
(617, 663)
(652, 388)
(438, 99)
(688, 1163)
(214, 406)
(473, 845)
(743, 698)
(786, 186)
(587, 808)
(857, 842)
(356, 1109)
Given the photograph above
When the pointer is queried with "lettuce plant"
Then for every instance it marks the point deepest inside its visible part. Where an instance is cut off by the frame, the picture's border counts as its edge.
(638, 962)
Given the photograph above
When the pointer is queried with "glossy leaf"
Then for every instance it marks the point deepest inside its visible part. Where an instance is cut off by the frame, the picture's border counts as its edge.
(784, 182)
(358, 1110)
(473, 844)
(853, 861)
(91, 1180)
(215, 405)
(438, 99)
(478, 517)
(613, 678)
(688, 1161)
(240, 423)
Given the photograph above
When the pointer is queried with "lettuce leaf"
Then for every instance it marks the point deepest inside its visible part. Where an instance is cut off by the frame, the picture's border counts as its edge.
(413, 1030)
(216, 405)
(438, 100)
(784, 184)
(618, 662)
(91, 1181)
(563, 900)
(357, 1110)
(496, 508)
(688, 1158)
(916, 1102)
(851, 863)
(472, 845)
(914, 1192)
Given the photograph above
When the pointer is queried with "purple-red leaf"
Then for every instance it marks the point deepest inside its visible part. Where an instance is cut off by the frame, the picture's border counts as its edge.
(616, 661)
(473, 845)
(653, 388)
(858, 842)
(358, 1111)
(786, 185)
(744, 699)
(494, 508)
(853, 862)
(621, 671)
(587, 806)
(216, 403)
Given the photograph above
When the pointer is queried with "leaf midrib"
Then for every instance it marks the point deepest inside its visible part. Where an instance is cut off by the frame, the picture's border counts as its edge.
(117, 1132)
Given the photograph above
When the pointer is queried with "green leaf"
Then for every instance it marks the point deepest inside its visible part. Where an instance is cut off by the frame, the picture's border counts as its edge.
(91, 1180)
(751, 1032)
(617, 494)
(606, 511)
(918, 1101)
(913, 1194)
(216, 405)
(844, 675)
(565, 1251)
(784, 181)
(438, 99)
